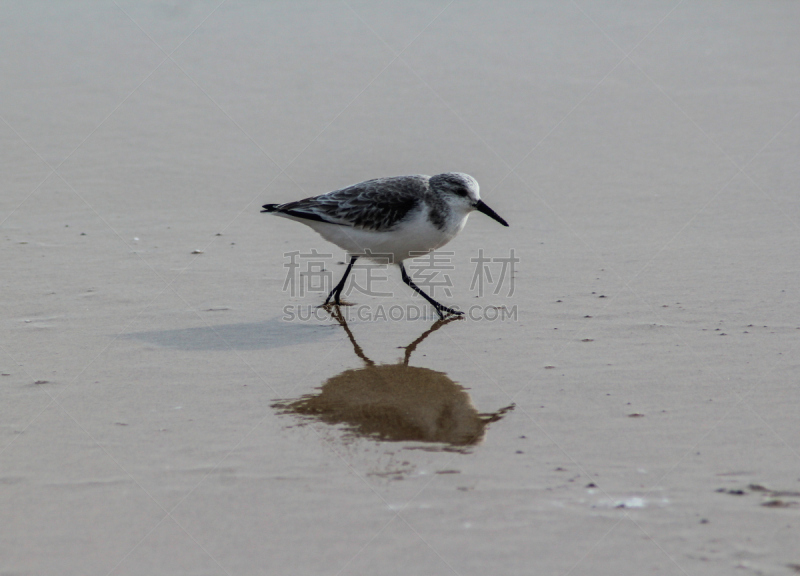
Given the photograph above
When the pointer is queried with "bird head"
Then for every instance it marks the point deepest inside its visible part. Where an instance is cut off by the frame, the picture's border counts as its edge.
(462, 193)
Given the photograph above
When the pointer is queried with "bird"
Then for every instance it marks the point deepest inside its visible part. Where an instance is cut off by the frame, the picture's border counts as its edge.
(396, 217)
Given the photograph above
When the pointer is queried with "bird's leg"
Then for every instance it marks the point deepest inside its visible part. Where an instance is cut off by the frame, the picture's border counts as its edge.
(337, 292)
(439, 307)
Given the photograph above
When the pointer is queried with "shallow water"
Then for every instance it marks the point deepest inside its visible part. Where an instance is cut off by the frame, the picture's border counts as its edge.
(645, 158)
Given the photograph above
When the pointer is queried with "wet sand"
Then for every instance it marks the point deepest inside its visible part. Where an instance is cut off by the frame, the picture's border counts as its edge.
(625, 403)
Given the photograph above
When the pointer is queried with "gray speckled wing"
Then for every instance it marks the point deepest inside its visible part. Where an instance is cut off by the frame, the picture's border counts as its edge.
(376, 205)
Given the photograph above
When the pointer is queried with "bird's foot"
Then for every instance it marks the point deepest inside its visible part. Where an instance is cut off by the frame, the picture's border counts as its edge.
(450, 311)
(329, 305)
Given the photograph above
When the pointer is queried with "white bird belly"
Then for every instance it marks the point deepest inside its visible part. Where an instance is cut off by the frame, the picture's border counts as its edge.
(415, 235)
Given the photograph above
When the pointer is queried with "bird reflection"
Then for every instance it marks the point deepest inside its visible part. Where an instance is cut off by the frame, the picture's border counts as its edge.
(395, 402)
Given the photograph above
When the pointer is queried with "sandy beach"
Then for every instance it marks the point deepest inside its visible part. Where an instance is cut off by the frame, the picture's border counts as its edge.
(621, 399)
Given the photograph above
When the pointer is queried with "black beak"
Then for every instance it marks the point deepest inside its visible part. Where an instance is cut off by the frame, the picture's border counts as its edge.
(482, 207)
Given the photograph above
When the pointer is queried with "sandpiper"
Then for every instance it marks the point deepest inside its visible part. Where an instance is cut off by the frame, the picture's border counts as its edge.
(391, 218)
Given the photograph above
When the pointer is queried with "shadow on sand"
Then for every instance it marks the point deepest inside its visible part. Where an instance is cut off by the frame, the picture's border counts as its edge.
(396, 402)
(244, 336)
